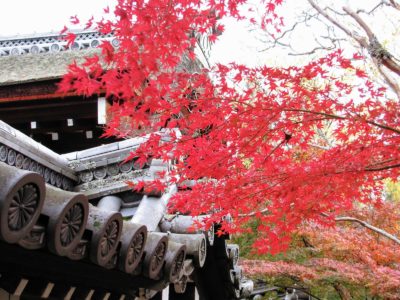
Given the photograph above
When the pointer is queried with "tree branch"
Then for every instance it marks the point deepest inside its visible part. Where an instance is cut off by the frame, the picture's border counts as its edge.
(313, 51)
(382, 3)
(382, 168)
(331, 116)
(336, 23)
(378, 53)
(389, 79)
(369, 226)
(344, 293)
(360, 22)
(278, 40)
(394, 4)
(374, 47)
(252, 214)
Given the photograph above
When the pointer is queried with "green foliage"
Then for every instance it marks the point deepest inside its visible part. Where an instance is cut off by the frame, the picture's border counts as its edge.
(392, 190)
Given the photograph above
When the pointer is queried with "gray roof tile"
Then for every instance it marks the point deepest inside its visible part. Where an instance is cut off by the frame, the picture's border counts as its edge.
(39, 67)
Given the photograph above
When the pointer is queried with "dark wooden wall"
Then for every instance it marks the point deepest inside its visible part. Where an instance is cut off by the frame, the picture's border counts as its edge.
(38, 102)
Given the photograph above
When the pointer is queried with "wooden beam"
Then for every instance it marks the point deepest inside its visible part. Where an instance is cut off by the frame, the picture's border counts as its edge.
(69, 141)
(70, 293)
(31, 91)
(40, 265)
(21, 287)
(60, 126)
(49, 111)
(47, 290)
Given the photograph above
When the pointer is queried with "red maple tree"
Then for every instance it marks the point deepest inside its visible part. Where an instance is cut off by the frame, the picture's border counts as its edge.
(353, 259)
(280, 145)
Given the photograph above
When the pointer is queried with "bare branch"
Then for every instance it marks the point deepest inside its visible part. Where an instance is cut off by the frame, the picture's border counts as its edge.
(360, 22)
(335, 11)
(307, 17)
(394, 4)
(389, 80)
(252, 214)
(369, 226)
(375, 48)
(343, 292)
(319, 147)
(203, 51)
(336, 23)
(321, 46)
(333, 40)
(380, 55)
(312, 51)
(278, 40)
(382, 3)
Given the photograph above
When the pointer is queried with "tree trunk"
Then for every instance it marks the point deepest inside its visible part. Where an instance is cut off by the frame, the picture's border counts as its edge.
(342, 291)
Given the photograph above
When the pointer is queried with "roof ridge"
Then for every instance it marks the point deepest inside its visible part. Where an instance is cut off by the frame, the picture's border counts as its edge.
(52, 42)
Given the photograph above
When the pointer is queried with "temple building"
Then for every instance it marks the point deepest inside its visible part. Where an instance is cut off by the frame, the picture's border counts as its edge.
(30, 69)
(70, 227)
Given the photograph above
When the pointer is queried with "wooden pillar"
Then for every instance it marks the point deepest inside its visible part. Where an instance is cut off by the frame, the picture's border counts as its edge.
(102, 110)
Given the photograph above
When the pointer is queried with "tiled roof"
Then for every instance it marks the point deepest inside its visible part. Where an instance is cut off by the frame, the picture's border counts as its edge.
(120, 242)
(38, 67)
(45, 57)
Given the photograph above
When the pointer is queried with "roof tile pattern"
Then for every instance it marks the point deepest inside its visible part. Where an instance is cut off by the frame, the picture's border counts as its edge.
(39, 67)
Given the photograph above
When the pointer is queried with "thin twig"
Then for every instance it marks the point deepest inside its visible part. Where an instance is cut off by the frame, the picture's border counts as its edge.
(382, 3)
(252, 214)
(312, 51)
(332, 20)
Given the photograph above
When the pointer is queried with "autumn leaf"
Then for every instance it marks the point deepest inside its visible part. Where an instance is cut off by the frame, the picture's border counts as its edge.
(74, 20)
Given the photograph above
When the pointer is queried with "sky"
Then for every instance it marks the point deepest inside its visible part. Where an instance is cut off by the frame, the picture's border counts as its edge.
(24, 17)
(29, 16)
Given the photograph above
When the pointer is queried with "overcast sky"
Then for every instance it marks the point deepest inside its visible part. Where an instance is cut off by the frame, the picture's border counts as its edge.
(24, 17)
(28, 16)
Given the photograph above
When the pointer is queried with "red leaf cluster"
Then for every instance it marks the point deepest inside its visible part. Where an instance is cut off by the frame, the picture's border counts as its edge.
(282, 145)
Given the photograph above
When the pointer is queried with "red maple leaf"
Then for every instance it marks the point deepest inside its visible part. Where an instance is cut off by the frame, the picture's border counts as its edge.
(74, 20)
(70, 38)
(89, 23)
(64, 30)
